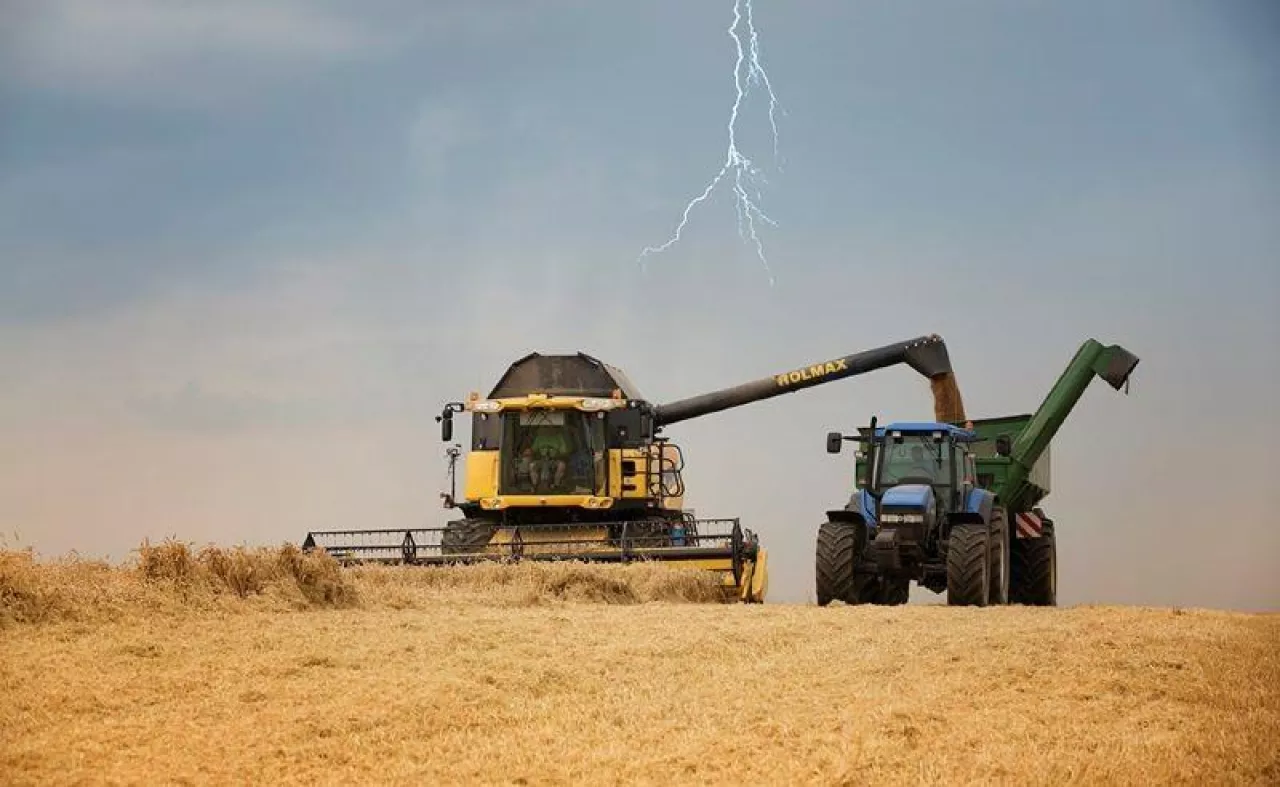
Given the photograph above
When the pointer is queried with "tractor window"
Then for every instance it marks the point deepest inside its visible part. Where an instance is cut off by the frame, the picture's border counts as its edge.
(917, 459)
(553, 452)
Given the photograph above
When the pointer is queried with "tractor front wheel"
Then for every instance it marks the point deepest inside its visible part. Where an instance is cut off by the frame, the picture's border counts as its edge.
(968, 566)
(838, 548)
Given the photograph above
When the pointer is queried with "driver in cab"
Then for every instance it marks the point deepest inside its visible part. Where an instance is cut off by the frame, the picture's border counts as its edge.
(922, 465)
(550, 447)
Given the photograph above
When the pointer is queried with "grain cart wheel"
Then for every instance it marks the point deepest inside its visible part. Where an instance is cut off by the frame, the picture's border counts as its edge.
(464, 536)
(1001, 561)
(968, 566)
(1035, 569)
(839, 544)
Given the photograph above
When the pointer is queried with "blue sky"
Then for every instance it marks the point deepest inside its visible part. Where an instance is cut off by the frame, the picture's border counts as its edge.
(247, 249)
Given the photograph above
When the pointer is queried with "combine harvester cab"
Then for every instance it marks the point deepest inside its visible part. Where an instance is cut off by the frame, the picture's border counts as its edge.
(567, 462)
(955, 506)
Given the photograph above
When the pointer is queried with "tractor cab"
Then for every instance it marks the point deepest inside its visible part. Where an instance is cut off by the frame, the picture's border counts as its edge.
(924, 454)
(911, 472)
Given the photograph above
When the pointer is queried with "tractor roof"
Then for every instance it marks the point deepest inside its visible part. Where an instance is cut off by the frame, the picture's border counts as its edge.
(926, 427)
(563, 375)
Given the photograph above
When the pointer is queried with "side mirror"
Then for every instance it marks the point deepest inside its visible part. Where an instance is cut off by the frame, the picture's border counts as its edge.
(446, 420)
(835, 441)
(1004, 446)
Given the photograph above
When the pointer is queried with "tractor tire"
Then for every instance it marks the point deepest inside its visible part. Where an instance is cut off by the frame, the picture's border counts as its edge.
(1035, 570)
(838, 548)
(969, 566)
(464, 536)
(1001, 561)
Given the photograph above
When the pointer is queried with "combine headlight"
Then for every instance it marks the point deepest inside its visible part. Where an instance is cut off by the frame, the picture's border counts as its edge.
(487, 406)
(592, 405)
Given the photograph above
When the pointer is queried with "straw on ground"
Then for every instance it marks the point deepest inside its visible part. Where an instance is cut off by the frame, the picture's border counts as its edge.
(281, 668)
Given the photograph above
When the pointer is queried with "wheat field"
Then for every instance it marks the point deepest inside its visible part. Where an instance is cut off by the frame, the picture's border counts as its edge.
(270, 666)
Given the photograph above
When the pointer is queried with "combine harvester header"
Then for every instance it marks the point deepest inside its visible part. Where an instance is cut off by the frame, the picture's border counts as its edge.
(567, 462)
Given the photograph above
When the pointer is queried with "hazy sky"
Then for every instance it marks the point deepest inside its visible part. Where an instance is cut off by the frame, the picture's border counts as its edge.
(248, 249)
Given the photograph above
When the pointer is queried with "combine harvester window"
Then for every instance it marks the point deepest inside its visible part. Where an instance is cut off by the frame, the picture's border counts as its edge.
(570, 441)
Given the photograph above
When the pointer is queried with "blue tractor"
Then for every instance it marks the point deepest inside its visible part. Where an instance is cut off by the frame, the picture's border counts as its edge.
(956, 508)
(919, 514)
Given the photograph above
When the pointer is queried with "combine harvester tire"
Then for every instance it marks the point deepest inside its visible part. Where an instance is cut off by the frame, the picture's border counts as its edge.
(465, 536)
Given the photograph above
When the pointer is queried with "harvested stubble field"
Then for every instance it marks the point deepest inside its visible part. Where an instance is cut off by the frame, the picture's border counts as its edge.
(270, 666)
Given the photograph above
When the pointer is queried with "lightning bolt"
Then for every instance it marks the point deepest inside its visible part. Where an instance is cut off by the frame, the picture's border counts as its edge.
(745, 174)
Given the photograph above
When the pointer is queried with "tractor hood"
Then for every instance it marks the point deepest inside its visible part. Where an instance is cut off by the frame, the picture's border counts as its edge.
(913, 496)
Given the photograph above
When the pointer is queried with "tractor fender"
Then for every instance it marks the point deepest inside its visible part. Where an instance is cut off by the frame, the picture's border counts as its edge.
(845, 515)
(860, 508)
(977, 508)
(863, 503)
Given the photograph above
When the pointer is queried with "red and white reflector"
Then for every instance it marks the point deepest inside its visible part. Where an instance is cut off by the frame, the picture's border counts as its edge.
(1028, 525)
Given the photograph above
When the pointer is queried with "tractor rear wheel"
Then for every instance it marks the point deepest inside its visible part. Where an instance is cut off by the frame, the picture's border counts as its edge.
(838, 548)
(464, 536)
(1035, 569)
(968, 566)
(1001, 561)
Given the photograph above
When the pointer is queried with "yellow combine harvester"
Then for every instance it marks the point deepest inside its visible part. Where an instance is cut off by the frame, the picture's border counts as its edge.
(567, 462)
